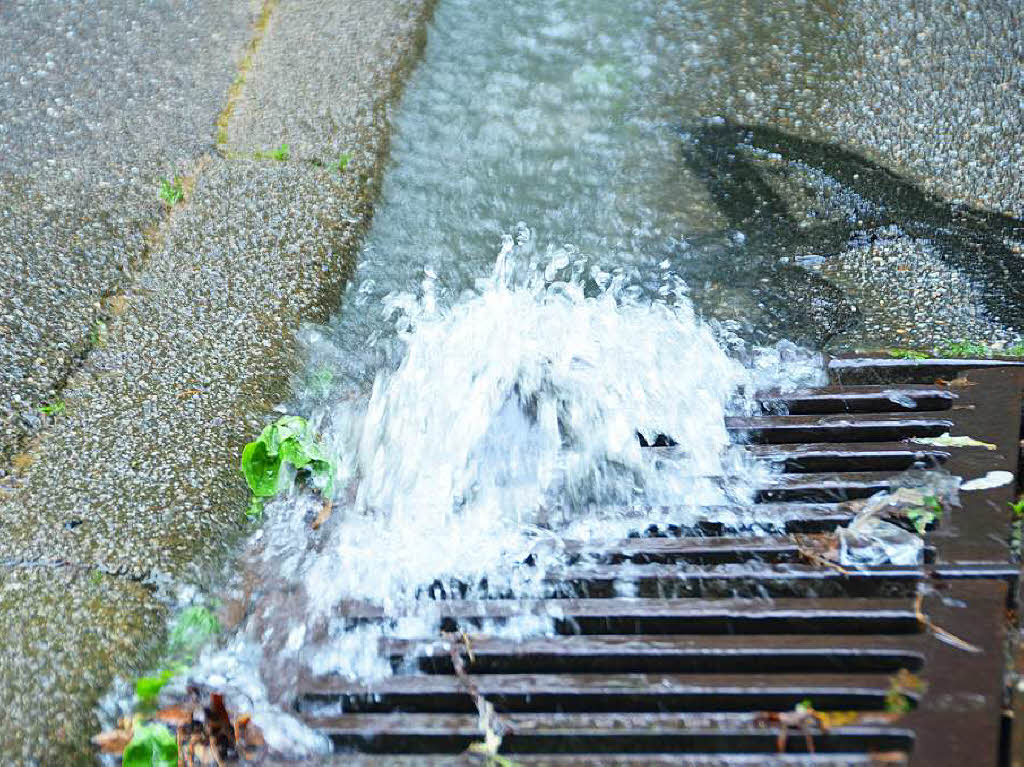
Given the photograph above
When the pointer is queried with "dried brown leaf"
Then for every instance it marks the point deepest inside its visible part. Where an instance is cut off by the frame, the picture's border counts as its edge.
(114, 741)
(325, 513)
(176, 716)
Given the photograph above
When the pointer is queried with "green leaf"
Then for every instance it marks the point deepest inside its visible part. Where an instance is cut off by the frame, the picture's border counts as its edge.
(922, 516)
(193, 629)
(148, 687)
(255, 510)
(261, 469)
(294, 452)
(152, 745)
(287, 440)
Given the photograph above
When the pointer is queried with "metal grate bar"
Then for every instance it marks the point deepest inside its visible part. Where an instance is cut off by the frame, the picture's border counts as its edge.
(719, 627)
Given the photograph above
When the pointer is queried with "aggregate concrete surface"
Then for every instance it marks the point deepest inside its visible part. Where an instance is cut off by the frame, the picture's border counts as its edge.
(136, 483)
(933, 91)
(98, 101)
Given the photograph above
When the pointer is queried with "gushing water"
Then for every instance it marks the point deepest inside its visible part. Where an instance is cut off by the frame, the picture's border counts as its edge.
(514, 415)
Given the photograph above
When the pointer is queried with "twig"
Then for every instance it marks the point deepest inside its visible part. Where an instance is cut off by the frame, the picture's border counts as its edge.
(938, 631)
(490, 722)
(816, 558)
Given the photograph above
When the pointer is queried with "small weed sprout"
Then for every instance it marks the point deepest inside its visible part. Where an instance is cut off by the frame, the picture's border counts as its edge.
(922, 516)
(907, 354)
(54, 408)
(171, 192)
(280, 154)
(963, 348)
(98, 336)
(343, 160)
(896, 700)
(1017, 526)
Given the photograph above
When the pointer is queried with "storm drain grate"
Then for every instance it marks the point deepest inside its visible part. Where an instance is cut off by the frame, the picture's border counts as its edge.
(688, 669)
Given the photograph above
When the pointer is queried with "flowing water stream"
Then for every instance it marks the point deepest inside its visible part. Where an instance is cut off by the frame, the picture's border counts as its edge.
(522, 310)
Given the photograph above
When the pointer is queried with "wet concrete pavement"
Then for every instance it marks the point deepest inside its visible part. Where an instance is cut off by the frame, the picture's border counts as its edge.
(932, 93)
(97, 102)
(134, 487)
(169, 335)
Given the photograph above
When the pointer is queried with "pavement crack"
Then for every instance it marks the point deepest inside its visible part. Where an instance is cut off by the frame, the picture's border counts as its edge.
(238, 85)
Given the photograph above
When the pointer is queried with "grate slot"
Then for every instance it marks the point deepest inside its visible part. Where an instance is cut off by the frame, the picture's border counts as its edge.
(791, 518)
(668, 581)
(824, 487)
(792, 653)
(860, 399)
(698, 551)
(869, 427)
(679, 616)
(435, 693)
(839, 457)
(568, 733)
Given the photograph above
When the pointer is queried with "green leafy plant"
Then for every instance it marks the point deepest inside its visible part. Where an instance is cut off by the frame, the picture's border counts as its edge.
(964, 348)
(1017, 350)
(343, 160)
(289, 440)
(280, 154)
(922, 516)
(147, 688)
(98, 336)
(194, 627)
(907, 354)
(171, 192)
(54, 408)
(1018, 508)
(1017, 526)
(152, 745)
(896, 699)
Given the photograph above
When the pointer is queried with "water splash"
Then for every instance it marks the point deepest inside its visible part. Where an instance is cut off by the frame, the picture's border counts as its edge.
(508, 423)
(517, 410)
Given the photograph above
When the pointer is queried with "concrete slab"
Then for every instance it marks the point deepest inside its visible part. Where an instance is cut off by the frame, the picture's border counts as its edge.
(140, 475)
(298, 93)
(65, 631)
(108, 85)
(98, 101)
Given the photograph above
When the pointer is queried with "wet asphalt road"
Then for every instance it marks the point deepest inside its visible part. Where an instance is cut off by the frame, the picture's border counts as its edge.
(169, 335)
